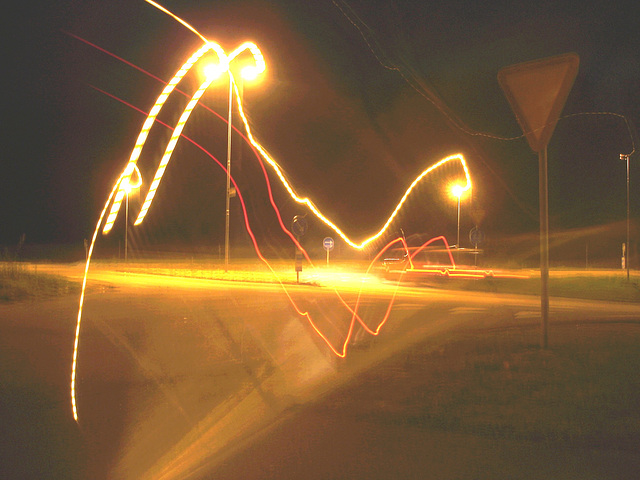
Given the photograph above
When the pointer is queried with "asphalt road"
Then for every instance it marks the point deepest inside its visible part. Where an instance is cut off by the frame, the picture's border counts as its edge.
(184, 378)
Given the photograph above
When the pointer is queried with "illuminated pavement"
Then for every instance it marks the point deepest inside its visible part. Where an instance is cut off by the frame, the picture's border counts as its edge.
(177, 375)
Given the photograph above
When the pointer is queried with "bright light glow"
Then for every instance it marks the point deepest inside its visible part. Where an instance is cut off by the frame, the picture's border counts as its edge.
(126, 182)
(213, 71)
(457, 190)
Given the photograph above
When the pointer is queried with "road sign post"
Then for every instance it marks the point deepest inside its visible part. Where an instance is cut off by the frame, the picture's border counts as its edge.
(328, 245)
(299, 227)
(476, 237)
(537, 92)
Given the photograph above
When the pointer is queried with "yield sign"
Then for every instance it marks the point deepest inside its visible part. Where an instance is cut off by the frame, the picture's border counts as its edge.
(537, 92)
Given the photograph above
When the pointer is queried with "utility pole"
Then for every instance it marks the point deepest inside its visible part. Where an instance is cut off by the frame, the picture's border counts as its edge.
(626, 250)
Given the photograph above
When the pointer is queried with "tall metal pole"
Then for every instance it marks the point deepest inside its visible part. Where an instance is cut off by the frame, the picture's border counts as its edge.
(626, 260)
(544, 247)
(126, 226)
(226, 224)
(458, 236)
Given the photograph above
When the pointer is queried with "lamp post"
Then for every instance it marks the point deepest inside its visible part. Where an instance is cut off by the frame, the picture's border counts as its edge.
(626, 250)
(247, 73)
(126, 222)
(457, 191)
(228, 196)
(250, 72)
(127, 187)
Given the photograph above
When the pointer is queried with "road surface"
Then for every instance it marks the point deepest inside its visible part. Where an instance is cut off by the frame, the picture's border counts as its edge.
(183, 378)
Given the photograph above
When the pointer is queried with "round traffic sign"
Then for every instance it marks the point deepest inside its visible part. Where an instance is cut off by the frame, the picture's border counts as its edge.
(328, 244)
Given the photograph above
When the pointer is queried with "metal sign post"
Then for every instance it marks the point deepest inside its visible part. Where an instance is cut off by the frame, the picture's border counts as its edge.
(537, 92)
(476, 237)
(328, 245)
(299, 227)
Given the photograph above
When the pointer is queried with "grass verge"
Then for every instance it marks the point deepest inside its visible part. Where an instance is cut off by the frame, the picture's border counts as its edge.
(613, 288)
(18, 283)
(583, 391)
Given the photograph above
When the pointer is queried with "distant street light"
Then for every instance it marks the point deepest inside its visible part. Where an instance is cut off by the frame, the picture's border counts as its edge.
(626, 250)
(127, 186)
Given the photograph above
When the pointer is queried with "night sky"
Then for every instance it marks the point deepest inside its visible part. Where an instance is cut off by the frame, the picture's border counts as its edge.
(358, 98)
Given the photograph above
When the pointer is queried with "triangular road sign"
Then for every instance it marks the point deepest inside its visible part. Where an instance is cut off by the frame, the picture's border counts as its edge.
(537, 91)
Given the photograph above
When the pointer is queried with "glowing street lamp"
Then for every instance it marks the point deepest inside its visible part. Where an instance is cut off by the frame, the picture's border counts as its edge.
(127, 186)
(247, 73)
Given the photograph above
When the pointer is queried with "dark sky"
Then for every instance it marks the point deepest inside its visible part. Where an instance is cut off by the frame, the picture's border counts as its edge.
(359, 96)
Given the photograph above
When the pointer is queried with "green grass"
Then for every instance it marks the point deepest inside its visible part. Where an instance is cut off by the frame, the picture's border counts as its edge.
(584, 390)
(603, 287)
(19, 283)
(501, 386)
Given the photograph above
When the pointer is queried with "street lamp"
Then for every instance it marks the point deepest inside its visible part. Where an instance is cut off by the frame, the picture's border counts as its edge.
(626, 250)
(127, 186)
(247, 73)
(457, 191)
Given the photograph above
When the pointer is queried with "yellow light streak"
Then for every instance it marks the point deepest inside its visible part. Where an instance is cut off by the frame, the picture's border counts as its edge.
(128, 186)
(148, 123)
(279, 172)
(250, 72)
(76, 342)
(123, 182)
(178, 19)
(212, 73)
(259, 67)
(170, 147)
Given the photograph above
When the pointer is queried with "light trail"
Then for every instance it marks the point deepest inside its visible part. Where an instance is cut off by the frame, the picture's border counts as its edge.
(219, 68)
(82, 293)
(311, 206)
(170, 147)
(119, 191)
(144, 133)
(224, 65)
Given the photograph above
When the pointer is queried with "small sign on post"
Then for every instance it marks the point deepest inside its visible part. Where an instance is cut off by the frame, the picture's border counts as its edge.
(476, 237)
(328, 245)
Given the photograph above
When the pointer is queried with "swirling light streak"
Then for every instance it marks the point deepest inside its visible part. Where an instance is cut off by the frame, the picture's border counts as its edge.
(148, 123)
(259, 67)
(117, 185)
(218, 69)
(170, 147)
(311, 206)
(119, 190)
(304, 201)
